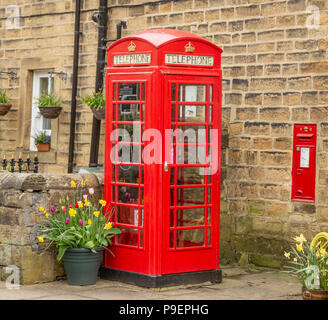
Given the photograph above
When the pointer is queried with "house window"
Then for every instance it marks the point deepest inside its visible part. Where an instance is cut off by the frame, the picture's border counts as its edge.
(42, 83)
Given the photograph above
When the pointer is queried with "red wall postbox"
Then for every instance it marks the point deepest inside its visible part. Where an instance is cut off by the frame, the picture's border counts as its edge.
(162, 158)
(304, 160)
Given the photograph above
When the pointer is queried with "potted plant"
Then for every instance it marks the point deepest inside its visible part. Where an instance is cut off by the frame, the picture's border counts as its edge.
(96, 102)
(42, 141)
(80, 228)
(5, 104)
(310, 264)
(49, 105)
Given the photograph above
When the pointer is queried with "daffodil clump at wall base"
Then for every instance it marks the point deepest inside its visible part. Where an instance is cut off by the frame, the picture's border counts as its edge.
(77, 222)
(309, 263)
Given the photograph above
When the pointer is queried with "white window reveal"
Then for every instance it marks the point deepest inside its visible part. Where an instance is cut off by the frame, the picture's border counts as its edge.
(42, 83)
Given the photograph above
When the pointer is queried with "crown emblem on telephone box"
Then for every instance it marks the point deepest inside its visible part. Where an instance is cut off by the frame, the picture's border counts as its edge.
(190, 47)
(132, 46)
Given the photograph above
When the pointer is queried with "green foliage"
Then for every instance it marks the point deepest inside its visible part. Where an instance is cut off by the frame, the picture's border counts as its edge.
(309, 265)
(78, 222)
(3, 97)
(42, 138)
(49, 100)
(96, 100)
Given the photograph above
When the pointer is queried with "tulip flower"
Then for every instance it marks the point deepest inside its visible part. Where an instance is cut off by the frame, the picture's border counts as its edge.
(67, 221)
(73, 184)
(91, 190)
(89, 222)
(81, 222)
(64, 209)
(53, 208)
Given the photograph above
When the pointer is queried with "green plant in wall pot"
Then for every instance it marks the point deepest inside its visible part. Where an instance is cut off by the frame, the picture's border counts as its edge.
(49, 105)
(96, 102)
(309, 263)
(5, 104)
(42, 141)
(80, 228)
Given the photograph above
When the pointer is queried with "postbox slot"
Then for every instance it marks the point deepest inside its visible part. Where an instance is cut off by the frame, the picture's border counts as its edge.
(305, 136)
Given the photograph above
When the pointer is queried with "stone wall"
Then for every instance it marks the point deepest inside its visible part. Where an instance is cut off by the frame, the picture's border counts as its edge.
(21, 196)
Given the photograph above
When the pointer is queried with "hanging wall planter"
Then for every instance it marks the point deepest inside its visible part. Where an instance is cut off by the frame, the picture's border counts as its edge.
(5, 104)
(99, 113)
(4, 108)
(96, 102)
(49, 105)
(50, 112)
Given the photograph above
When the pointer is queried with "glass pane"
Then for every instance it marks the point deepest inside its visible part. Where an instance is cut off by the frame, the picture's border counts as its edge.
(173, 112)
(210, 117)
(191, 134)
(114, 112)
(128, 236)
(209, 195)
(143, 112)
(208, 236)
(210, 94)
(190, 196)
(44, 85)
(208, 215)
(192, 113)
(114, 92)
(128, 194)
(172, 219)
(129, 132)
(141, 239)
(129, 112)
(172, 177)
(127, 215)
(172, 239)
(113, 194)
(172, 197)
(128, 174)
(192, 93)
(113, 172)
(190, 238)
(190, 175)
(46, 124)
(125, 153)
(143, 97)
(187, 155)
(129, 91)
(173, 86)
(190, 217)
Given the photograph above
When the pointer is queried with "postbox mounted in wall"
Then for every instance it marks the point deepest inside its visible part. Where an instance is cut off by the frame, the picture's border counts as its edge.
(304, 161)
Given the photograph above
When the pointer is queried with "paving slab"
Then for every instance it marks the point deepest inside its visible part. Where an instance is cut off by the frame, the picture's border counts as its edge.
(237, 284)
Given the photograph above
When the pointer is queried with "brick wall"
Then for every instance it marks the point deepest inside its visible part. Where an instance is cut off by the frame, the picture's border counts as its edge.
(275, 74)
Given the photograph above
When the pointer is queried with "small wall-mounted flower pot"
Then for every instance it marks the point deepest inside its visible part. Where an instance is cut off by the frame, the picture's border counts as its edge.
(99, 113)
(4, 108)
(50, 112)
(43, 147)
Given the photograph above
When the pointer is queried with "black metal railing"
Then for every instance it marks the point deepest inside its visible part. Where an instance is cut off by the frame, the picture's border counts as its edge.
(20, 165)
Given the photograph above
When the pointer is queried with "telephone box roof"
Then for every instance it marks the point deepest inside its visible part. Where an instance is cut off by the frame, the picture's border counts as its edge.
(159, 37)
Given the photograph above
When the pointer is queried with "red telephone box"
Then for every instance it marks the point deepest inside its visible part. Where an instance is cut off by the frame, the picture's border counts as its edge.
(162, 158)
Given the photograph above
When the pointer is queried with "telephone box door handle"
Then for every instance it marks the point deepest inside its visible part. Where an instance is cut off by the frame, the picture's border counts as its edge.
(166, 166)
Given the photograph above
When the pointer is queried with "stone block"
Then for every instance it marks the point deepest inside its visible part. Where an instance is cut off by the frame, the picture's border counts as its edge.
(257, 128)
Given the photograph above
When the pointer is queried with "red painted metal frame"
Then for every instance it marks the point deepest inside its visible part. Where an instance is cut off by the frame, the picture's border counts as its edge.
(303, 181)
(155, 257)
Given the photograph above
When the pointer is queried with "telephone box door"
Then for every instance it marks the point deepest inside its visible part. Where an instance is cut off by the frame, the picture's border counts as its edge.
(191, 168)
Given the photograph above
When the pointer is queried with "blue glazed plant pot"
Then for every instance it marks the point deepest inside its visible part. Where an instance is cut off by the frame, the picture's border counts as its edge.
(82, 266)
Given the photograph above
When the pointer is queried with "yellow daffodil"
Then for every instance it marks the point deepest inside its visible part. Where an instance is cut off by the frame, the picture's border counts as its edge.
(82, 183)
(287, 255)
(87, 203)
(72, 212)
(323, 252)
(80, 204)
(295, 259)
(47, 215)
(299, 248)
(96, 213)
(73, 184)
(40, 239)
(89, 222)
(300, 239)
(42, 209)
(102, 202)
(108, 226)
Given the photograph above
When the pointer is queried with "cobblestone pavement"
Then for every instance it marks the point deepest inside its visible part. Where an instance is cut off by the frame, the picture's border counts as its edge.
(237, 284)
